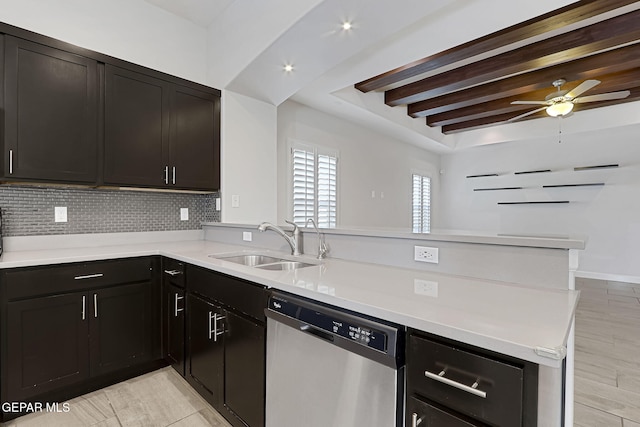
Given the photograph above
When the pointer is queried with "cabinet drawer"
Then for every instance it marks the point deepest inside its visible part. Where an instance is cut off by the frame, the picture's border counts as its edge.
(34, 281)
(173, 272)
(481, 387)
(246, 297)
(420, 413)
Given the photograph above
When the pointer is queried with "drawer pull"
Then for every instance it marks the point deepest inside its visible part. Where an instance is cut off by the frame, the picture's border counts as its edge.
(176, 309)
(89, 276)
(415, 421)
(473, 389)
(173, 272)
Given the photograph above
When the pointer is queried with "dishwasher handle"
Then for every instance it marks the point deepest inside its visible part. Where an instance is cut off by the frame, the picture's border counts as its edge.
(317, 332)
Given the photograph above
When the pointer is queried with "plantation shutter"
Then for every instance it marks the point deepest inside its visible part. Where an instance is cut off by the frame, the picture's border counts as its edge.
(327, 199)
(303, 186)
(421, 208)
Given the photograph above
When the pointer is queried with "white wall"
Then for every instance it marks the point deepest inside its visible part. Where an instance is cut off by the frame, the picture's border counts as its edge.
(368, 162)
(248, 159)
(608, 215)
(132, 30)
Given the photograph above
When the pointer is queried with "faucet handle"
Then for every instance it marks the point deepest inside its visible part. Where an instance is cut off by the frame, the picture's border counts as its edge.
(295, 226)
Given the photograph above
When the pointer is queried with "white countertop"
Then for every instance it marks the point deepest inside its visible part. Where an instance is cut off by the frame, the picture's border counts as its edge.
(506, 318)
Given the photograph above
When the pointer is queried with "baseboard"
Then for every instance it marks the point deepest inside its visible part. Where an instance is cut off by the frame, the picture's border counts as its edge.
(608, 277)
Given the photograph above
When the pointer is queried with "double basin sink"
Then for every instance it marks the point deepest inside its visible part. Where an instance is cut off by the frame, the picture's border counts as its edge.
(263, 262)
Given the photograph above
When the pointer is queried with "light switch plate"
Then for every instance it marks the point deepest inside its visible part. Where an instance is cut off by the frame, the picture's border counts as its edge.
(247, 236)
(235, 201)
(217, 203)
(184, 214)
(60, 214)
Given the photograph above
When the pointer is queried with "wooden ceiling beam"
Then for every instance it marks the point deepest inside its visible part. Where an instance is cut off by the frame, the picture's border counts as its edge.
(590, 67)
(553, 20)
(502, 118)
(610, 83)
(566, 47)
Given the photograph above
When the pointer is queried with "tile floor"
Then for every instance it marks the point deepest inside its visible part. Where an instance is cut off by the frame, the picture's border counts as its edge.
(607, 374)
(158, 399)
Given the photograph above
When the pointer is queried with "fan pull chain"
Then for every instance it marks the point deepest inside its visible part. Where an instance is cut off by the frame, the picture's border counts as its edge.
(560, 130)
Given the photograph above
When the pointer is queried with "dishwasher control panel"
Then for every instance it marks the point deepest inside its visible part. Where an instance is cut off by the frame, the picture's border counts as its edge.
(359, 330)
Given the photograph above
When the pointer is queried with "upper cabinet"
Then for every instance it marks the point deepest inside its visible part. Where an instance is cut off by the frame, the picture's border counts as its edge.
(76, 116)
(160, 134)
(50, 114)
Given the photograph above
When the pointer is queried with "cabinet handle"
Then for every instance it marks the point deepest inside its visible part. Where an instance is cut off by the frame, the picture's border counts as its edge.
(174, 175)
(415, 421)
(89, 276)
(469, 389)
(84, 306)
(216, 334)
(95, 305)
(166, 175)
(176, 310)
(10, 162)
(173, 272)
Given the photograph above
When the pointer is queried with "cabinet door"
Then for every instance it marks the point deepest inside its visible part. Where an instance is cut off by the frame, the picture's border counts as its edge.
(206, 349)
(245, 369)
(47, 345)
(136, 129)
(51, 113)
(122, 327)
(195, 139)
(175, 326)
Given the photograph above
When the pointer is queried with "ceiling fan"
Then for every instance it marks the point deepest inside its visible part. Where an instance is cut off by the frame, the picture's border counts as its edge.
(561, 102)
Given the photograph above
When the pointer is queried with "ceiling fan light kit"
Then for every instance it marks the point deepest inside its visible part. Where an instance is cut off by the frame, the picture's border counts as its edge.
(560, 109)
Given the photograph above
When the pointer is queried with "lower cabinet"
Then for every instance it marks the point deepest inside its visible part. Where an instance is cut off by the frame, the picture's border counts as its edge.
(174, 318)
(451, 384)
(66, 326)
(226, 344)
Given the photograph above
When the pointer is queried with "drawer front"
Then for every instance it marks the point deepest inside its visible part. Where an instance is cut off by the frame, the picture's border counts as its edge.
(46, 280)
(421, 413)
(173, 272)
(246, 297)
(473, 384)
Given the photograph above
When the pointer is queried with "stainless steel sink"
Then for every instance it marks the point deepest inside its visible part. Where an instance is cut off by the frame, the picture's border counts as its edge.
(262, 261)
(250, 260)
(284, 265)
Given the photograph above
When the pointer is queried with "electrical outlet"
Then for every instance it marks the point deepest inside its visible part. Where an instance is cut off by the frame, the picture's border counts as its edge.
(60, 214)
(184, 214)
(425, 287)
(247, 236)
(425, 254)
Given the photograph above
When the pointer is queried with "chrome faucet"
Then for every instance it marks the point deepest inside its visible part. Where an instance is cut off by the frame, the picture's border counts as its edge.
(293, 240)
(322, 246)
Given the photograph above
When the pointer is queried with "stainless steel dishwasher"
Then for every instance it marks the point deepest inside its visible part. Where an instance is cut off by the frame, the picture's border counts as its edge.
(331, 368)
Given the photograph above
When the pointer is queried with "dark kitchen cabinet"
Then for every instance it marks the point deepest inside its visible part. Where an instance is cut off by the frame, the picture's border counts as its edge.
(122, 327)
(226, 350)
(159, 134)
(72, 328)
(50, 114)
(47, 344)
(452, 384)
(174, 314)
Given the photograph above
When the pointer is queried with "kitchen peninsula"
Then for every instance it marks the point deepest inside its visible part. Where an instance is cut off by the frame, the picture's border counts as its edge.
(515, 319)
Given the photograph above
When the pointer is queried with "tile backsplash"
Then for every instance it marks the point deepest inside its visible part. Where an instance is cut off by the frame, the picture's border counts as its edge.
(29, 210)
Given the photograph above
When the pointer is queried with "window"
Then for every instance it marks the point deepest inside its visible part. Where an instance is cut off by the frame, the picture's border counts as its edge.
(421, 207)
(314, 187)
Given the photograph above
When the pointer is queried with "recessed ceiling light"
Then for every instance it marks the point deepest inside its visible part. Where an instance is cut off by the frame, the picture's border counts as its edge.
(347, 25)
(288, 68)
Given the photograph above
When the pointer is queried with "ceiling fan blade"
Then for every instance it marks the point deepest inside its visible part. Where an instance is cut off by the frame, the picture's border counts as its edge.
(528, 113)
(582, 88)
(530, 103)
(602, 97)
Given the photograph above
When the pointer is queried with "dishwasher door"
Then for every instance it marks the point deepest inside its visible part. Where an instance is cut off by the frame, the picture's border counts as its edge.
(312, 382)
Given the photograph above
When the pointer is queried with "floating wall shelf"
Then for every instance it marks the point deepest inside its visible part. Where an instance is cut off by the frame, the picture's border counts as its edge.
(497, 189)
(534, 203)
(586, 168)
(533, 171)
(592, 184)
(483, 175)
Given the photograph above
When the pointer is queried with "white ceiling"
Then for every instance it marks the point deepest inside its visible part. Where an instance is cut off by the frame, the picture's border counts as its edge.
(258, 37)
